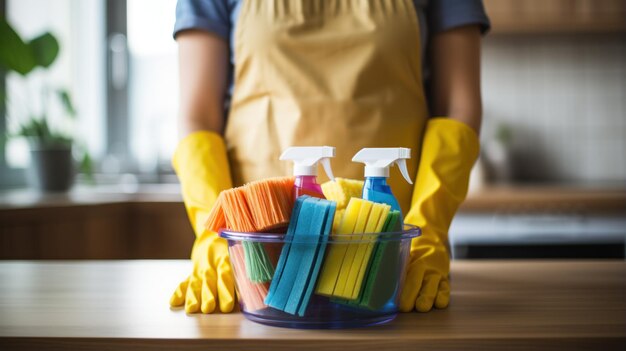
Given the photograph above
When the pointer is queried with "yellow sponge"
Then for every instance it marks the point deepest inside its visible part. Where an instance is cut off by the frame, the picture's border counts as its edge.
(375, 224)
(334, 258)
(341, 190)
(337, 220)
(351, 249)
(346, 263)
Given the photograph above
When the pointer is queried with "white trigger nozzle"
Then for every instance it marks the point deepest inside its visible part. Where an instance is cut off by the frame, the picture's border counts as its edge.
(306, 158)
(378, 160)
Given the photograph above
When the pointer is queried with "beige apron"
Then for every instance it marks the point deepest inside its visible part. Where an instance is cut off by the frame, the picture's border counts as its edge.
(343, 73)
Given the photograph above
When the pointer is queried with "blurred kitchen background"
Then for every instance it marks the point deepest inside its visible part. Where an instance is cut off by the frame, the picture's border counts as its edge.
(551, 180)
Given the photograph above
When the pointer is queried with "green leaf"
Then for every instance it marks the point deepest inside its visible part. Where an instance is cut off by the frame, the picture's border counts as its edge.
(3, 95)
(504, 134)
(66, 100)
(45, 49)
(35, 128)
(15, 55)
(86, 167)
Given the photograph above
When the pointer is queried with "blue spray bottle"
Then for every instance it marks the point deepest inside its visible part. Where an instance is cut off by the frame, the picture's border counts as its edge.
(377, 162)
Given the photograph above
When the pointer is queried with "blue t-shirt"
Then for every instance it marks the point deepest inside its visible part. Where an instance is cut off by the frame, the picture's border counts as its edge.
(220, 16)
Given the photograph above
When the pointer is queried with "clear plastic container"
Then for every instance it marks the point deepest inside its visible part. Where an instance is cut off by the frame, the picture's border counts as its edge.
(383, 254)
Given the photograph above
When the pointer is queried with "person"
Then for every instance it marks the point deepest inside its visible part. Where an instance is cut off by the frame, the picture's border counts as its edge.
(259, 76)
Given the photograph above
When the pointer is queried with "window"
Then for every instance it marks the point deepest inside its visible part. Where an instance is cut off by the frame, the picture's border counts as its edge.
(79, 68)
(142, 88)
(119, 62)
(153, 83)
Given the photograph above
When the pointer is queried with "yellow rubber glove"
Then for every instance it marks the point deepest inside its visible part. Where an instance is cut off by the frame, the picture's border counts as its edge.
(449, 150)
(202, 167)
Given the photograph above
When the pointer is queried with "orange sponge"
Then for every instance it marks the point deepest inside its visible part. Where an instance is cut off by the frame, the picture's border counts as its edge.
(257, 206)
(251, 294)
(270, 202)
(216, 217)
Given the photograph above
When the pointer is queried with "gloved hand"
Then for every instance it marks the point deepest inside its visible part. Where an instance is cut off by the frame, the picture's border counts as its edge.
(449, 150)
(202, 167)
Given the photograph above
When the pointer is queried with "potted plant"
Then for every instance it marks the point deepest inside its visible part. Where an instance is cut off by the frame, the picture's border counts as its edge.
(52, 165)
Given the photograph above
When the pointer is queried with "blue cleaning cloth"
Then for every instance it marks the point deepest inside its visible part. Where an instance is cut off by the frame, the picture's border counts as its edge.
(293, 222)
(285, 282)
(305, 252)
(330, 215)
(299, 264)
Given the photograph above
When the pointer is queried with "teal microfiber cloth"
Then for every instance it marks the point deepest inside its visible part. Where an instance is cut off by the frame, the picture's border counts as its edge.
(311, 257)
(300, 261)
(280, 267)
(291, 266)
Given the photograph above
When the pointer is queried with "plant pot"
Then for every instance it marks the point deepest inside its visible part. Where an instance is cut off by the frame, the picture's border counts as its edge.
(500, 161)
(51, 168)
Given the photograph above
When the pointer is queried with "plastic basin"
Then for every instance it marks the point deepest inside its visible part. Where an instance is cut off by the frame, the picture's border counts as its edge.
(376, 263)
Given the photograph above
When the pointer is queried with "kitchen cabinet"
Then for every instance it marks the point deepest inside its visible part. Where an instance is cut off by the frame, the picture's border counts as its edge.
(496, 222)
(556, 16)
(541, 222)
(92, 225)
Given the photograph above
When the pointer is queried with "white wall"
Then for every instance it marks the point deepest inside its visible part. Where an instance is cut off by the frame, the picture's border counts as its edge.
(565, 98)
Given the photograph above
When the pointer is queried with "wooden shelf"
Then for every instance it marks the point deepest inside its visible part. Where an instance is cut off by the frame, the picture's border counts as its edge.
(556, 16)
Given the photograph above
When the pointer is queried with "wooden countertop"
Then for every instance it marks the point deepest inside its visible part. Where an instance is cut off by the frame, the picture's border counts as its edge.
(81, 196)
(93, 305)
(546, 199)
(490, 198)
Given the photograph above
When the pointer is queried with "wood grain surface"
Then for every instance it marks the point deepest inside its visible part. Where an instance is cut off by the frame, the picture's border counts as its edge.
(116, 230)
(547, 198)
(556, 16)
(95, 224)
(106, 305)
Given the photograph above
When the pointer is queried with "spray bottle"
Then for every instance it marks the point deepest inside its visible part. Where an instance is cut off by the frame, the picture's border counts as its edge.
(377, 162)
(305, 160)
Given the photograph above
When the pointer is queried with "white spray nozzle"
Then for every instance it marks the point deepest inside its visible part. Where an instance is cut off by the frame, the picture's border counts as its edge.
(378, 160)
(306, 158)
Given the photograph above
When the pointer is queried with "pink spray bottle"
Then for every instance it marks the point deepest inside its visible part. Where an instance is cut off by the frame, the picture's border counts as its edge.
(305, 160)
